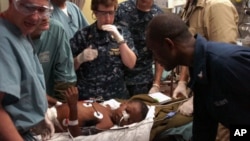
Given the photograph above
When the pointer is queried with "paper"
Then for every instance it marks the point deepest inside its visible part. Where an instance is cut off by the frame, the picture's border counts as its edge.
(160, 97)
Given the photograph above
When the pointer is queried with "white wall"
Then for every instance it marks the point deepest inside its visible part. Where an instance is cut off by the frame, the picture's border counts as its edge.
(3, 5)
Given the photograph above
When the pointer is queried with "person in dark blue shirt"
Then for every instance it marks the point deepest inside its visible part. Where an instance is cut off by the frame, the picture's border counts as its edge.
(219, 73)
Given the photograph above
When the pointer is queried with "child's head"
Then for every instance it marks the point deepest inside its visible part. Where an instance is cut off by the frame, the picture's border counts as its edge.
(130, 112)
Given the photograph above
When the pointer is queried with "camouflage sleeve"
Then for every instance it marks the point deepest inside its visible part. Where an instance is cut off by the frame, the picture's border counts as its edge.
(130, 42)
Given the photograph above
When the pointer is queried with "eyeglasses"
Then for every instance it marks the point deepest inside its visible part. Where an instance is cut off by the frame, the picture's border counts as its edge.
(29, 9)
(104, 13)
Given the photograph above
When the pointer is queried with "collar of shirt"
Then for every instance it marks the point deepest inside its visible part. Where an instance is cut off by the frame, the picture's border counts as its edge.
(198, 69)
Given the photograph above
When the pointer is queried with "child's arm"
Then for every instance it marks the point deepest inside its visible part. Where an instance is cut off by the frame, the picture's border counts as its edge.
(71, 95)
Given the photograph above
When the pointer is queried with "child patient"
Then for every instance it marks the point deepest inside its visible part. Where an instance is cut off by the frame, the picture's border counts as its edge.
(75, 115)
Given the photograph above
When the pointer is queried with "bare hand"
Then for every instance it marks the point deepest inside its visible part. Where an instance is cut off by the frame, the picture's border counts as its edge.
(71, 95)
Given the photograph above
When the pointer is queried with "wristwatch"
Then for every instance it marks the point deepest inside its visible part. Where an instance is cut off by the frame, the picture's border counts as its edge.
(121, 42)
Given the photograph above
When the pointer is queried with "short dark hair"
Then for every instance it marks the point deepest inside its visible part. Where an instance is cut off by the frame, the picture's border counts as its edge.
(167, 25)
(107, 3)
(143, 107)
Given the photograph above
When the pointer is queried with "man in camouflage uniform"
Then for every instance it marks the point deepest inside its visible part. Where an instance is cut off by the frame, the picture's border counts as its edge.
(101, 51)
(135, 14)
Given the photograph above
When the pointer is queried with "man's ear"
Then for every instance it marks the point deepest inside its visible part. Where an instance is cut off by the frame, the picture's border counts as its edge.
(169, 43)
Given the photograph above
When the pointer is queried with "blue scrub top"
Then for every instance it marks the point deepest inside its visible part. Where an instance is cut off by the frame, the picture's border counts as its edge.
(73, 22)
(55, 55)
(21, 78)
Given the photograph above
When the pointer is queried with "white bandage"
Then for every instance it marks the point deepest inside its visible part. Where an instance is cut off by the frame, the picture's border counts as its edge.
(52, 113)
(125, 115)
(73, 122)
(58, 103)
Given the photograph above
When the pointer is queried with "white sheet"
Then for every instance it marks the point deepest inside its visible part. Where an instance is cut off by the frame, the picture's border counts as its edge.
(135, 132)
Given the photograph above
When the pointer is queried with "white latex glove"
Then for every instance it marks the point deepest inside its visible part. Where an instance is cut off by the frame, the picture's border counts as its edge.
(45, 128)
(180, 89)
(52, 116)
(113, 30)
(49, 129)
(187, 107)
(155, 88)
(87, 55)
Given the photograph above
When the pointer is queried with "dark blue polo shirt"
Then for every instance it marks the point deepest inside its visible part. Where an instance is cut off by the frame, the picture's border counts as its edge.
(220, 78)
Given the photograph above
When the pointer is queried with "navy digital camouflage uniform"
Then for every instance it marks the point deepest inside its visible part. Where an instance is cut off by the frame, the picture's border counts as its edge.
(139, 80)
(104, 76)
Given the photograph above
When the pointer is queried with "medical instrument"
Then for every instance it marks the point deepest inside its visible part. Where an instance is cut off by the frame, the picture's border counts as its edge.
(125, 117)
(97, 114)
(170, 114)
(87, 104)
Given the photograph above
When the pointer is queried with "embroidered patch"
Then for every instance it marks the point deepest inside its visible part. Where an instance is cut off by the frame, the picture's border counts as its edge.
(114, 51)
(200, 75)
(221, 102)
(44, 57)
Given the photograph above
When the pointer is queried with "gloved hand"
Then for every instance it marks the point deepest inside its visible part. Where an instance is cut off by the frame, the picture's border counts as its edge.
(155, 88)
(187, 107)
(180, 89)
(49, 129)
(52, 116)
(113, 30)
(45, 128)
(87, 55)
